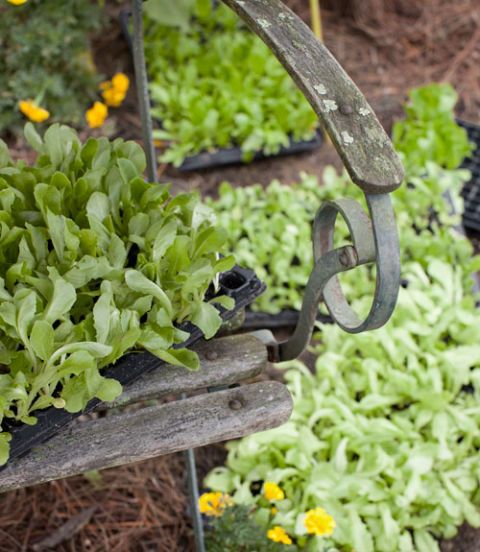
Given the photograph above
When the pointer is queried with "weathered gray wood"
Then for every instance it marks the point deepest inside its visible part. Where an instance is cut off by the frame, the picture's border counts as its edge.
(363, 145)
(223, 361)
(153, 431)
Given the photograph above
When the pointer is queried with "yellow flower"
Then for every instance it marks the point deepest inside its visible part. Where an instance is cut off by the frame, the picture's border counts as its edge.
(96, 115)
(213, 504)
(271, 491)
(113, 97)
(34, 112)
(278, 534)
(17, 2)
(115, 90)
(318, 522)
(120, 82)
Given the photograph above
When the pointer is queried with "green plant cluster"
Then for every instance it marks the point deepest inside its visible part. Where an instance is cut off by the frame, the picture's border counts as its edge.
(237, 530)
(429, 131)
(214, 85)
(45, 56)
(94, 261)
(385, 433)
(270, 229)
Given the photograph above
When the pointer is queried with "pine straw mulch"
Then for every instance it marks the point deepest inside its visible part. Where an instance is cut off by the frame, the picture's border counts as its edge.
(137, 508)
(390, 46)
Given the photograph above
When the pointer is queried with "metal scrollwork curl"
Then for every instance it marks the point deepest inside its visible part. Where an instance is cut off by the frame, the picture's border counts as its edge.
(374, 240)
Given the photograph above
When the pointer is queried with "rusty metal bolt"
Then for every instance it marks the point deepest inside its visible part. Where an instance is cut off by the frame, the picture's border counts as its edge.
(235, 404)
(346, 109)
(211, 355)
(348, 257)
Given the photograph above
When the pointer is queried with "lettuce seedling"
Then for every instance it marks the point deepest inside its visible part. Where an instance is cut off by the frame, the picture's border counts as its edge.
(385, 430)
(214, 84)
(94, 262)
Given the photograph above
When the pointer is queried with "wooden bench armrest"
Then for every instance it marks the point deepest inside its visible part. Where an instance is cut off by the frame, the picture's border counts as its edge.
(126, 436)
(153, 431)
(223, 361)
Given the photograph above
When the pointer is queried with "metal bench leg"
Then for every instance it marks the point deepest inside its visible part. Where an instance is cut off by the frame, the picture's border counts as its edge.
(141, 81)
(193, 499)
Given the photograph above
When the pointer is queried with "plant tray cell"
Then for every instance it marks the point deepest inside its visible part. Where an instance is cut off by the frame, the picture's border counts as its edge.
(239, 283)
(226, 156)
(471, 190)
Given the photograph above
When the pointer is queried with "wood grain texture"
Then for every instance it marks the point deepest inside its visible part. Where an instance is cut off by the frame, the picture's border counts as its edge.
(153, 431)
(223, 361)
(359, 138)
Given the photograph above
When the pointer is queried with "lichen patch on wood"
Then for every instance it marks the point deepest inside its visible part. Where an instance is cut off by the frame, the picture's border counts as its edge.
(330, 105)
(320, 88)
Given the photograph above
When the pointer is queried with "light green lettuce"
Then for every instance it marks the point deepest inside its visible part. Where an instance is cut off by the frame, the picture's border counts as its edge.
(385, 430)
(94, 261)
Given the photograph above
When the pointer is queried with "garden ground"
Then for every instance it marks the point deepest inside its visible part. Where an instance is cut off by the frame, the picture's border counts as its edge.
(387, 49)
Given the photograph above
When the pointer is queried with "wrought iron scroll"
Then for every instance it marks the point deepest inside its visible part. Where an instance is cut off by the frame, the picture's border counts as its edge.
(371, 161)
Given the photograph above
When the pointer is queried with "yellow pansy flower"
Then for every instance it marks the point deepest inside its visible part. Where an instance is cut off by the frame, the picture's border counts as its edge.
(96, 115)
(213, 504)
(115, 90)
(278, 534)
(33, 111)
(120, 82)
(113, 97)
(319, 522)
(271, 491)
(16, 2)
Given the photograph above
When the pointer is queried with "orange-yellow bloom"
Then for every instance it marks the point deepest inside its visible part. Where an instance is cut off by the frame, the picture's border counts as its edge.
(113, 97)
(34, 112)
(278, 534)
(213, 504)
(96, 115)
(17, 2)
(120, 82)
(115, 90)
(272, 492)
(319, 522)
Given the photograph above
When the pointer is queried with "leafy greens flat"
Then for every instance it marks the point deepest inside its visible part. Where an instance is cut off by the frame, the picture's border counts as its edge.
(94, 261)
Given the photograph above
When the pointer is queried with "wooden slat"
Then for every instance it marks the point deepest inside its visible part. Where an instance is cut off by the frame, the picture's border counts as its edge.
(224, 361)
(153, 431)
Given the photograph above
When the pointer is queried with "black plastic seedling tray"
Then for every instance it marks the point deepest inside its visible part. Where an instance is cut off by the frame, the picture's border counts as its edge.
(471, 190)
(283, 319)
(226, 156)
(234, 156)
(239, 283)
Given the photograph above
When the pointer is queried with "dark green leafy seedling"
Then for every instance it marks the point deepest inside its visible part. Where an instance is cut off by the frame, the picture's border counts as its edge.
(238, 530)
(94, 261)
(429, 131)
(217, 85)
